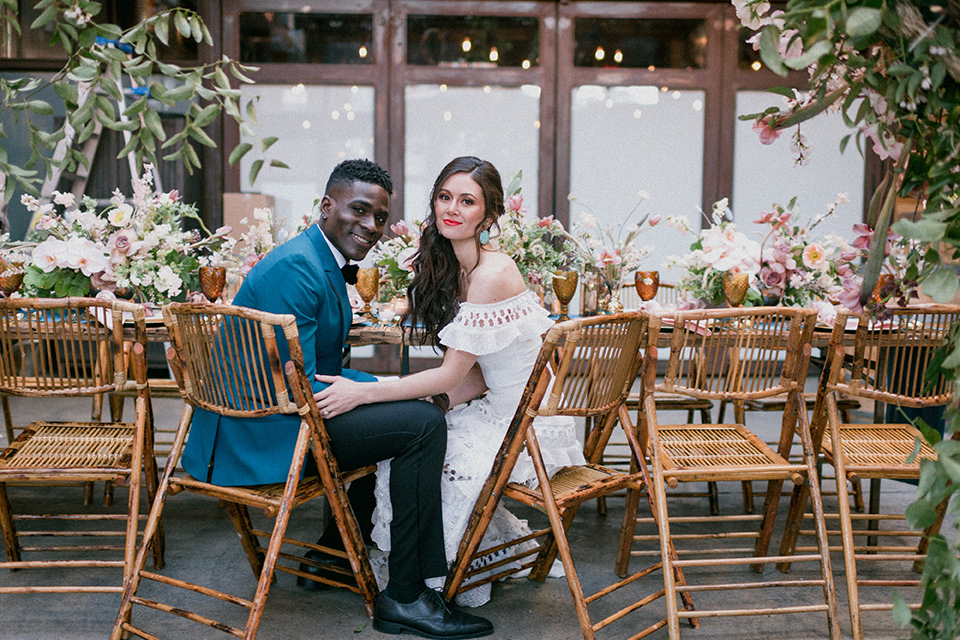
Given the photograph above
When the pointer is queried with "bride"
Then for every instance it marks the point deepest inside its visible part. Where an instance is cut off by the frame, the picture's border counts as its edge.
(470, 299)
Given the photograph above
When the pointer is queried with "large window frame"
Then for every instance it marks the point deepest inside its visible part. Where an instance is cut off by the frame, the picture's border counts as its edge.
(375, 75)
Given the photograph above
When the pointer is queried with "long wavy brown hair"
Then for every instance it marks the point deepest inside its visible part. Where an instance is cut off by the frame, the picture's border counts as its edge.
(435, 289)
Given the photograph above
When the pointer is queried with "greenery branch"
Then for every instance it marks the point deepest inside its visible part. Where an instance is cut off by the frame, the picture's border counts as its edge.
(101, 57)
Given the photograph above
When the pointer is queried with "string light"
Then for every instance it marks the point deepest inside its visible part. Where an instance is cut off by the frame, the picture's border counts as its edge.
(494, 54)
(600, 53)
(363, 52)
(756, 66)
(618, 55)
(525, 64)
(467, 45)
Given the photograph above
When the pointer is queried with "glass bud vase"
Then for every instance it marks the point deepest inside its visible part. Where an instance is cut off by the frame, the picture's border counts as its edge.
(608, 296)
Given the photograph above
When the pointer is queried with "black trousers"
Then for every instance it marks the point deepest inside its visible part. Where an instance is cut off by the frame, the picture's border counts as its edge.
(414, 434)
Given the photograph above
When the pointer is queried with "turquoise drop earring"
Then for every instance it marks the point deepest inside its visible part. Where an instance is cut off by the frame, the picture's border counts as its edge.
(485, 236)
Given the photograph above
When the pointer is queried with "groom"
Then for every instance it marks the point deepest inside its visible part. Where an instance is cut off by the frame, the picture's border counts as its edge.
(303, 277)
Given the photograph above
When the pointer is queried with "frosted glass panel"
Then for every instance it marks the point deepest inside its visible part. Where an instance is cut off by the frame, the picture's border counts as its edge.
(317, 127)
(630, 139)
(766, 174)
(498, 124)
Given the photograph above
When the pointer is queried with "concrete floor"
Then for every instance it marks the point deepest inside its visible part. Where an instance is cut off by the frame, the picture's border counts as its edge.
(201, 542)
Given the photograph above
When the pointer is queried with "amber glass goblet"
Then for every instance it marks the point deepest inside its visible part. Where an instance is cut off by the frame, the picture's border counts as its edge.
(212, 282)
(647, 284)
(368, 284)
(735, 285)
(565, 286)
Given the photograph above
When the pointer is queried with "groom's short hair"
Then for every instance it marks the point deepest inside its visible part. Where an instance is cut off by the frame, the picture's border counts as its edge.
(348, 171)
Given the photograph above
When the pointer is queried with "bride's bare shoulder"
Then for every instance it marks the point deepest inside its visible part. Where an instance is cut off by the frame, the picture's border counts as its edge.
(496, 278)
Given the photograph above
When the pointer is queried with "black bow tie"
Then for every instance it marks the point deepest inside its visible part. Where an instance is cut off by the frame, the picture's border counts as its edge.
(349, 272)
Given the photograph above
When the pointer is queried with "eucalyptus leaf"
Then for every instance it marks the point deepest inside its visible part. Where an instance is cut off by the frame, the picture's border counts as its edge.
(238, 152)
(863, 21)
(770, 50)
(941, 285)
(924, 229)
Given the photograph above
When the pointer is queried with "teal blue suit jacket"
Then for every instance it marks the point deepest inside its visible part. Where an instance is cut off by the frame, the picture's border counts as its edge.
(300, 277)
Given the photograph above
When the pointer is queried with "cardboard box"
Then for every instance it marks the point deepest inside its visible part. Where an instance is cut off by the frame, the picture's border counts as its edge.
(237, 206)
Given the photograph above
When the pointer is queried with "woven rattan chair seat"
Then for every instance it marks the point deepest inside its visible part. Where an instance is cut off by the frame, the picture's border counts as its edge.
(723, 445)
(571, 484)
(880, 445)
(77, 445)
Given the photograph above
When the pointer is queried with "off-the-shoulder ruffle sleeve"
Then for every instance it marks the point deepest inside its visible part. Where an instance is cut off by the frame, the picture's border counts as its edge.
(487, 328)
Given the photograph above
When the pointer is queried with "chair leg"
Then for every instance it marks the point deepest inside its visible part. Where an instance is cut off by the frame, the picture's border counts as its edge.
(627, 529)
(7, 418)
(714, 497)
(857, 495)
(7, 526)
(791, 530)
(240, 516)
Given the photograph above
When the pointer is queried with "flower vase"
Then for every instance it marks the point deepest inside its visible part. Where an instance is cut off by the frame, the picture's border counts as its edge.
(588, 296)
(608, 296)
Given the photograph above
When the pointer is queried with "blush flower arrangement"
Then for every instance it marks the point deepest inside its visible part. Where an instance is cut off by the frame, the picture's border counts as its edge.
(797, 268)
(529, 240)
(717, 249)
(610, 252)
(395, 258)
(899, 279)
(138, 249)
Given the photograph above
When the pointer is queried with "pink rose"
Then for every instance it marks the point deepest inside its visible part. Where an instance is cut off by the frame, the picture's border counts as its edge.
(120, 243)
(543, 223)
(400, 228)
(654, 220)
(773, 278)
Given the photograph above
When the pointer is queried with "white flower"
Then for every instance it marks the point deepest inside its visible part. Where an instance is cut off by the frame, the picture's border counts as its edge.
(263, 213)
(65, 199)
(843, 199)
(168, 281)
(31, 203)
(588, 220)
(680, 223)
(45, 255)
(85, 219)
(121, 215)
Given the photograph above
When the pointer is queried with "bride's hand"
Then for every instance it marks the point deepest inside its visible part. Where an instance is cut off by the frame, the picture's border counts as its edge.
(341, 396)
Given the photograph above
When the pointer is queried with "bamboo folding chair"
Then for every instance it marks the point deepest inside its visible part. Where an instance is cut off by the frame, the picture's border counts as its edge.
(225, 359)
(617, 454)
(766, 350)
(887, 364)
(73, 347)
(584, 369)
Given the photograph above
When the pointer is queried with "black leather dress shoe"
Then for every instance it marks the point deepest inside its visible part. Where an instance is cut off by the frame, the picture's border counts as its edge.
(429, 616)
(323, 559)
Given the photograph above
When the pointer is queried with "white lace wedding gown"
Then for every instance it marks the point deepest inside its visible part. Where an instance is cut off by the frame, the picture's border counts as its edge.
(506, 338)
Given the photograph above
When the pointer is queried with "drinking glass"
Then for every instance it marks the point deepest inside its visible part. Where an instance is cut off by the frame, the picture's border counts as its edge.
(212, 282)
(735, 284)
(647, 284)
(368, 283)
(565, 286)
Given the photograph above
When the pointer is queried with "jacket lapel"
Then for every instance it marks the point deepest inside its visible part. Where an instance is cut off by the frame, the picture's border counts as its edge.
(334, 277)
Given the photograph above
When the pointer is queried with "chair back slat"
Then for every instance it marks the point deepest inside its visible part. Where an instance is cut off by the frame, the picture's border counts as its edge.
(596, 358)
(230, 358)
(65, 346)
(734, 354)
(890, 357)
